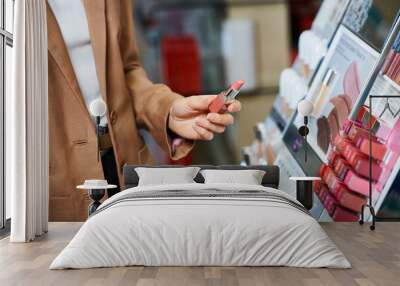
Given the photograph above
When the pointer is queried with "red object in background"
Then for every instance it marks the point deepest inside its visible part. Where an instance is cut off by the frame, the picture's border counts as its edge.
(342, 214)
(181, 64)
(293, 56)
(378, 149)
(333, 206)
(349, 199)
(181, 69)
(302, 14)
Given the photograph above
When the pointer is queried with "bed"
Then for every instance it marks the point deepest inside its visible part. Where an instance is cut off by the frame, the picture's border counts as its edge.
(198, 224)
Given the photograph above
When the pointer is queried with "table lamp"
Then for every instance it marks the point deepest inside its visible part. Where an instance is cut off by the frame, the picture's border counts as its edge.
(98, 109)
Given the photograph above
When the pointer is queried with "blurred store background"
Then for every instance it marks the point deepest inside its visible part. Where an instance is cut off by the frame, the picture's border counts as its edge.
(201, 46)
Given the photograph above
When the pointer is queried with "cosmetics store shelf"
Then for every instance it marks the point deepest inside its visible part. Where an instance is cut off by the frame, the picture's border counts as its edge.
(392, 83)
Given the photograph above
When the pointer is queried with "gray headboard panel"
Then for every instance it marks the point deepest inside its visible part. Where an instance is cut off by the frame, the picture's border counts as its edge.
(271, 178)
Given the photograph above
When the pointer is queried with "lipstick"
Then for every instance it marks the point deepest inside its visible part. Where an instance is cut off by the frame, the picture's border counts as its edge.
(218, 105)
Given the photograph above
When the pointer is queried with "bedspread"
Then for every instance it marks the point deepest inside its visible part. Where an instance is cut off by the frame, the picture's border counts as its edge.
(201, 225)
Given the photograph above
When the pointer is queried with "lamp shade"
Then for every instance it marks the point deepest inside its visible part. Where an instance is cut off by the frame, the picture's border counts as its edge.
(98, 108)
(305, 107)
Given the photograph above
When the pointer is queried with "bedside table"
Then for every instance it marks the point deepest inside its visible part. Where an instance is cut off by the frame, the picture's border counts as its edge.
(304, 190)
(96, 190)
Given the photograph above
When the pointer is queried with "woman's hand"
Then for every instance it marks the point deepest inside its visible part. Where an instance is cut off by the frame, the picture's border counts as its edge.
(190, 118)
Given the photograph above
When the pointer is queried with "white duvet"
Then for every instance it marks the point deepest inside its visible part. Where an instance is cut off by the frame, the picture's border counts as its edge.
(203, 231)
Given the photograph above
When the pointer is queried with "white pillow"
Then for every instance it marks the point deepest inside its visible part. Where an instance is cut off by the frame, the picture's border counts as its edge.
(247, 177)
(163, 176)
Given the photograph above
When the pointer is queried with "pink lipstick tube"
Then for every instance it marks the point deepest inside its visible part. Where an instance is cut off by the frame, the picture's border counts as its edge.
(218, 105)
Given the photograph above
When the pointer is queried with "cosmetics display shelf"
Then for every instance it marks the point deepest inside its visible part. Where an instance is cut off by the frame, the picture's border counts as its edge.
(374, 205)
(295, 81)
(393, 84)
(279, 120)
(353, 58)
(262, 151)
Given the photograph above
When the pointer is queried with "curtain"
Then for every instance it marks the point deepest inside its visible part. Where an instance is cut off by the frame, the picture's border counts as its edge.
(27, 124)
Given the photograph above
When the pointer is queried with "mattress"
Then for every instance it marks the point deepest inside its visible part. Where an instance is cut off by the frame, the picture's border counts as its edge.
(201, 225)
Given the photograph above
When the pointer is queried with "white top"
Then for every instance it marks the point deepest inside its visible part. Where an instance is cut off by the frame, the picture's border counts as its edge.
(71, 18)
(305, 178)
(96, 184)
(86, 187)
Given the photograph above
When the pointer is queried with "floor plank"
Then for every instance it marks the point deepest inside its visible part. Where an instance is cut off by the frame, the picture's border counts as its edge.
(375, 257)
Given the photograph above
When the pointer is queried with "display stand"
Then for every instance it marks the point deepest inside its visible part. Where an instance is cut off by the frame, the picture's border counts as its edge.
(370, 203)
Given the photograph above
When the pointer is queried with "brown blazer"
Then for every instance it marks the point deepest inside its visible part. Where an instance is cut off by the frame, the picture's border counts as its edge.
(133, 102)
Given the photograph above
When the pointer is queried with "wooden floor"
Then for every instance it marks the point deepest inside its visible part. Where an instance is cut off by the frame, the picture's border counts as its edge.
(375, 257)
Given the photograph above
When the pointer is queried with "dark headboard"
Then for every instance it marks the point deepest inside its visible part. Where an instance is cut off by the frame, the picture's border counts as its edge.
(270, 179)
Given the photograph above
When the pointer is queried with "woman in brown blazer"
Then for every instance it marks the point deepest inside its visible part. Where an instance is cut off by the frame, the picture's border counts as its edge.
(132, 100)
